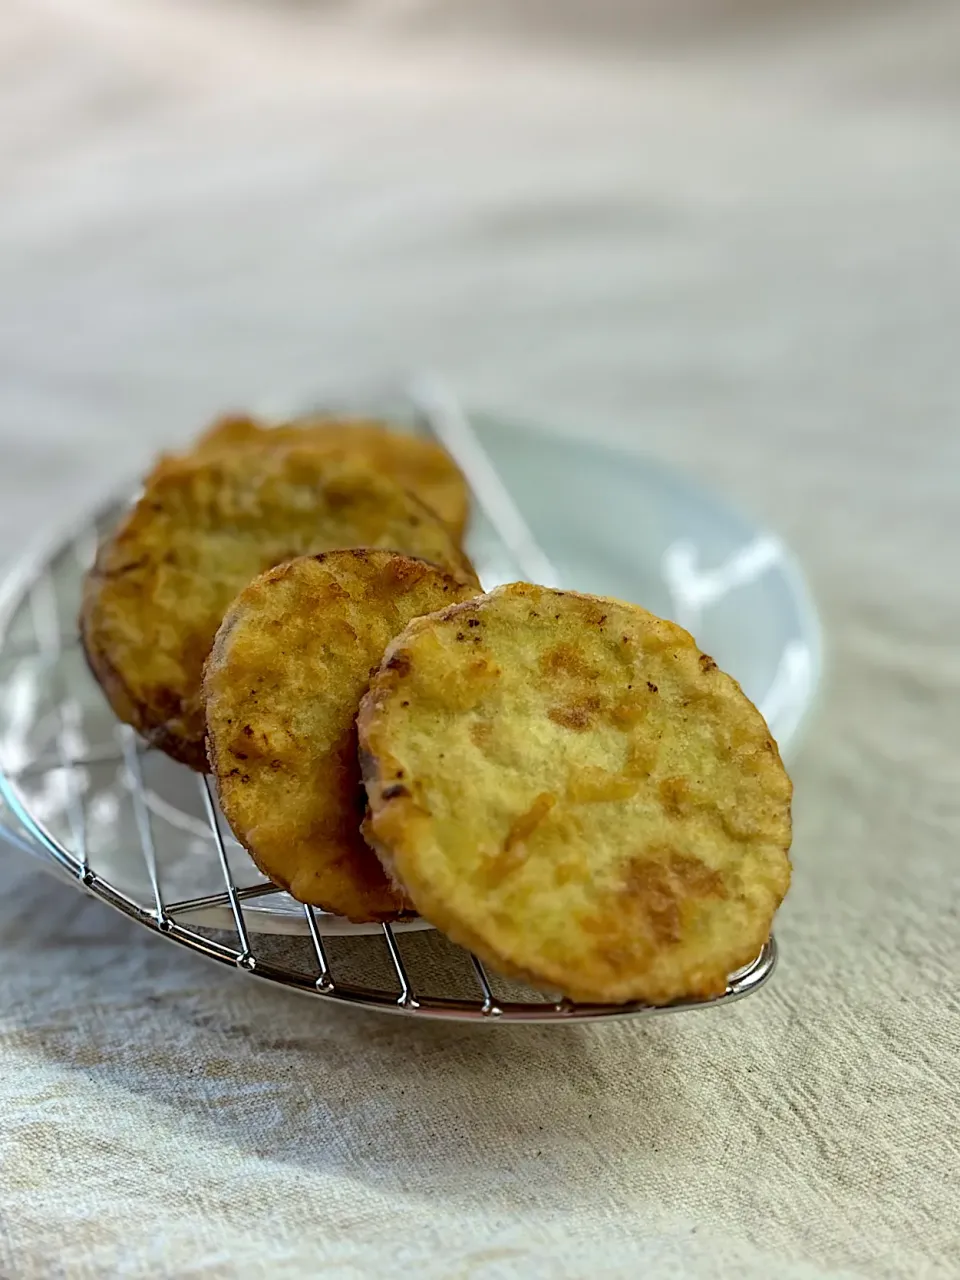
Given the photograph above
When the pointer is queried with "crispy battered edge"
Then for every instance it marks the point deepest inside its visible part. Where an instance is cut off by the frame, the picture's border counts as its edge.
(200, 448)
(395, 825)
(124, 705)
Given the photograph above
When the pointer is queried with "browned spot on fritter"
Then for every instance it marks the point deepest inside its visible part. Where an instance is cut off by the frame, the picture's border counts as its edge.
(566, 660)
(676, 795)
(592, 613)
(641, 759)
(399, 663)
(707, 663)
(578, 716)
(400, 574)
(651, 892)
(592, 785)
(696, 877)
(528, 822)
(483, 671)
(514, 851)
(657, 887)
(480, 732)
(628, 713)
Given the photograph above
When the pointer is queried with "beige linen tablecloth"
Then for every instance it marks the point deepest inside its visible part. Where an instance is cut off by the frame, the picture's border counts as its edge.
(731, 243)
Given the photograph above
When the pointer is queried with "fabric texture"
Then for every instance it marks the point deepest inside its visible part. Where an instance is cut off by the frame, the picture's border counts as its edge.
(736, 251)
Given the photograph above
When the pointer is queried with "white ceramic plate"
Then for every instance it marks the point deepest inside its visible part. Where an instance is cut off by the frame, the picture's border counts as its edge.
(611, 523)
(621, 524)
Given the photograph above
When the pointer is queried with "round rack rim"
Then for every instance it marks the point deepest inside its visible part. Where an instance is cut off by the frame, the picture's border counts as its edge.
(15, 588)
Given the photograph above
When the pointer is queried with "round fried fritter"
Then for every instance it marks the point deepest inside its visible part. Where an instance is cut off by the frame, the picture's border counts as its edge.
(282, 686)
(566, 785)
(422, 466)
(201, 531)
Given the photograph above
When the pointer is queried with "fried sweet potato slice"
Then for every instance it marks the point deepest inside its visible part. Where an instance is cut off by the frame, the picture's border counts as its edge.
(422, 466)
(568, 787)
(202, 530)
(282, 687)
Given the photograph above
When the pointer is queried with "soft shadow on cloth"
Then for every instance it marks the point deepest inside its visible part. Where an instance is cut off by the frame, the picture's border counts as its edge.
(250, 1065)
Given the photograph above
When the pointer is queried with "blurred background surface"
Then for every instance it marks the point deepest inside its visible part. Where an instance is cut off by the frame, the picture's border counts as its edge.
(722, 233)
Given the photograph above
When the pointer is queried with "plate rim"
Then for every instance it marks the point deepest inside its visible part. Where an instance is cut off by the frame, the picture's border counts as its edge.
(809, 620)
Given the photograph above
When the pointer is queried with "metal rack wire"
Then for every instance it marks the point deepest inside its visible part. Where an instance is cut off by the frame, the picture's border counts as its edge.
(59, 740)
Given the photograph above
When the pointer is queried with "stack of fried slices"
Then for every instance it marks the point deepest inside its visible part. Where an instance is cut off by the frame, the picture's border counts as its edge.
(562, 783)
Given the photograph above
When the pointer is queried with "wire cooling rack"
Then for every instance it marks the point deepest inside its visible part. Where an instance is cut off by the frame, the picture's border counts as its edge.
(145, 835)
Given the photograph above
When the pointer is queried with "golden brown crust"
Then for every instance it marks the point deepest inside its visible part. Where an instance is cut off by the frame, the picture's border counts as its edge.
(419, 465)
(201, 531)
(282, 685)
(586, 801)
